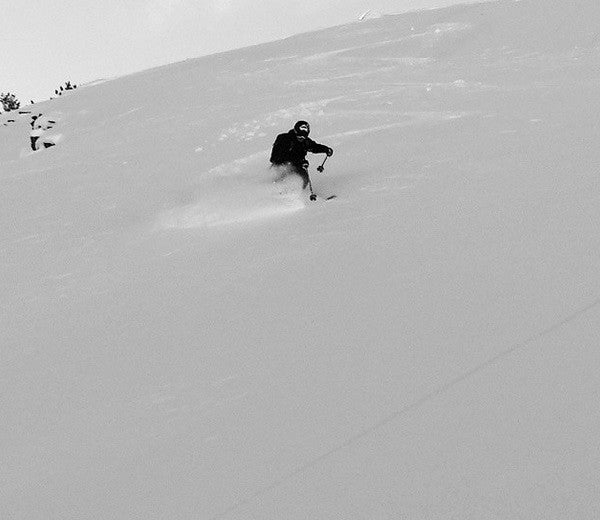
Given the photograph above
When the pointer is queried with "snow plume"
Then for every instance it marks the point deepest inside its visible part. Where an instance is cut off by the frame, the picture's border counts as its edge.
(227, 198)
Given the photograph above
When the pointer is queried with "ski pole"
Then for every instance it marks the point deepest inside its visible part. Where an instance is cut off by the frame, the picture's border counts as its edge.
(313, 195)
(322, 167)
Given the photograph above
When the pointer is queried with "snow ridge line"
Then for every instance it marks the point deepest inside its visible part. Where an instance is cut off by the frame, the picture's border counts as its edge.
(410, 407)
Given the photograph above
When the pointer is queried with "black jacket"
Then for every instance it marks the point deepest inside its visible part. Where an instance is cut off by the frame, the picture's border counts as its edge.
(288, 149)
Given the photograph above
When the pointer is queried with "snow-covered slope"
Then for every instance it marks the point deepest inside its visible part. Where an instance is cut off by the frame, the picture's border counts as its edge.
(181, 340)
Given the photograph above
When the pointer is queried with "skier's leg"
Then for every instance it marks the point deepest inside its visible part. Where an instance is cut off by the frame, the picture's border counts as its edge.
(305, 180)
(307, 183)
(280, 172)
(303, 172)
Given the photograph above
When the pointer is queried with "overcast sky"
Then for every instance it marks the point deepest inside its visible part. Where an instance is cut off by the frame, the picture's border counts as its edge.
(43, 43)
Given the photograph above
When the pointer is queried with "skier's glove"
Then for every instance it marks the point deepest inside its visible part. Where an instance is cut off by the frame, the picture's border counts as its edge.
(329, 152)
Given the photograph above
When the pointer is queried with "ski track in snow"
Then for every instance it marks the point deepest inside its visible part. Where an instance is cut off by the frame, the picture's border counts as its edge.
(399, 414)
(249, 130)
(414, 118)
(434, 33)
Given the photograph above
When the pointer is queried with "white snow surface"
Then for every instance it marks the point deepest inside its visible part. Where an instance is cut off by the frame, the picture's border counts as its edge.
(182, 338)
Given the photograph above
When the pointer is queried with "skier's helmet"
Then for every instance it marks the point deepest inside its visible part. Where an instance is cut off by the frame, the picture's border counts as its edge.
(302, 128)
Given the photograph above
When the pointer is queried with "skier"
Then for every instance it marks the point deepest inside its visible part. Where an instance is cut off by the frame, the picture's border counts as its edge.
(290, 149)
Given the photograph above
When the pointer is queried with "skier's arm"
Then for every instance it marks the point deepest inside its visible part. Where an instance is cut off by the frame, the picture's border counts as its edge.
(319, 148)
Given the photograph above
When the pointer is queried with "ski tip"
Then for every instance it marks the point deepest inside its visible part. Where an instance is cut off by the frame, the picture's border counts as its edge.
(319, 197)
